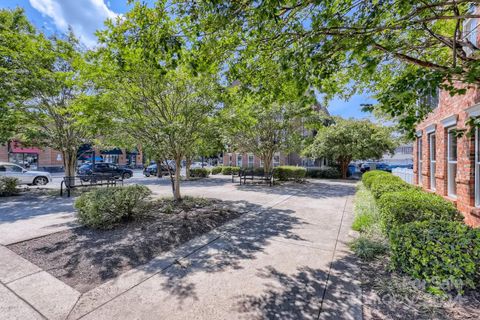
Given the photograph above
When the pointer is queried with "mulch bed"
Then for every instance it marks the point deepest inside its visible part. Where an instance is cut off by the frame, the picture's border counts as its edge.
(389, 295)
(85, 258)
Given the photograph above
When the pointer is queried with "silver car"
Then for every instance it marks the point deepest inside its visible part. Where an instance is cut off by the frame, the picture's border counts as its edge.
(38, 178)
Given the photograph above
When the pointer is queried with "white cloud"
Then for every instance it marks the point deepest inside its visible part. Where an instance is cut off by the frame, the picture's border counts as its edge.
(84, 16)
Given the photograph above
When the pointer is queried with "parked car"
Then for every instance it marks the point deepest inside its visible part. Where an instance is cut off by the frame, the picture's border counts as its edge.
(12, 170)
(196, 165)
(367, 166)
(106, 169)
(151, 170)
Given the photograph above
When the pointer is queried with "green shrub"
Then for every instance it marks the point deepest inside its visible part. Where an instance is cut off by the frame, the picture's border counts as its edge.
(284, 173)
(230, 170)
(324, 173)
(389, 183)
(445, 254)
(102, 208)
(217, 170)
(414, 205)
(369, 176)
(199, 172)
(8, 186)
(368, 247)
(366, 211)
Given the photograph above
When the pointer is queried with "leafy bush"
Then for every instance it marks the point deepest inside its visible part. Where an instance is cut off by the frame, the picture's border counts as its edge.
(369, 176)
(230, 170)
(446, 254)
(8, 186)
(199, 172)
(102, 208)
(324, 173)
(368, 247)
(284, 173)
(217, 170)
(389, 183)
(414, 205)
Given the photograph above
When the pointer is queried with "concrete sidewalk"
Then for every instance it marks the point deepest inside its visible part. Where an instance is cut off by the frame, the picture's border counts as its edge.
(289, 261)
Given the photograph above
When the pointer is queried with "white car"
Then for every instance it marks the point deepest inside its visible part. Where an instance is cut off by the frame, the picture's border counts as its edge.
(197, 165)
(12, 170)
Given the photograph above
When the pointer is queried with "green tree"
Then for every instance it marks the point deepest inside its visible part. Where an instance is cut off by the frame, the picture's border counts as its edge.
(42, 86)
(162, 93)
(401, 51)
(348, 140)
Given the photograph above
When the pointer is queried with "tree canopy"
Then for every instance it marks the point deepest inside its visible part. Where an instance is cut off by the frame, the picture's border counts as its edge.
(348, 140)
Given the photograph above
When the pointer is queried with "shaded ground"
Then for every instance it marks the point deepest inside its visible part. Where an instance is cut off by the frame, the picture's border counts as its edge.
(389, 295)
(85, 258)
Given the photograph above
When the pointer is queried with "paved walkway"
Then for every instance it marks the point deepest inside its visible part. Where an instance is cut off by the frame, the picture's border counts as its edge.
(289, 261)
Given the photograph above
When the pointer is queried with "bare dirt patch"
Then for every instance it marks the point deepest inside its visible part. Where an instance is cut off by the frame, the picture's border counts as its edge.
(85, 258)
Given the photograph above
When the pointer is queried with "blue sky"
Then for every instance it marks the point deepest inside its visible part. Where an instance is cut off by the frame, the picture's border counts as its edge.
(86, 16)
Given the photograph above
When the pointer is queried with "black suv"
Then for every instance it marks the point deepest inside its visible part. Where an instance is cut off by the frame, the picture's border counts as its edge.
(105, 169)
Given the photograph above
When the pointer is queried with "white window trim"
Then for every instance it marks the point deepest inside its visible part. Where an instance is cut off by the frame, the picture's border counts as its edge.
(419, 159)
(449, 162)
(433, 163)
(477, 169)
(449, 121)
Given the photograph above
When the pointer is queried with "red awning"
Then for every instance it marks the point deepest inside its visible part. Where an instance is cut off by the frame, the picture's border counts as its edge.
(16, 147)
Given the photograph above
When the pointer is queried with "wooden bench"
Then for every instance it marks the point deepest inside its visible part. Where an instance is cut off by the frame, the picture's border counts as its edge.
(254, 174)
(91, 180)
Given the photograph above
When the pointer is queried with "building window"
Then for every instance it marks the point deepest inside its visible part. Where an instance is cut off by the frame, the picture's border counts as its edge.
(239, 160)
(261, 163)
(25, 160)
(432, 151)
(276, 160)
(470, 34)
(477, 168)
(250, 160)
(452, 163)
(419, 160)
(111, 158)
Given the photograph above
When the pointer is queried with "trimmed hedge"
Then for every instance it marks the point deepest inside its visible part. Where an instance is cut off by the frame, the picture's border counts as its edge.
(8, 186)
(410, 205)
(199, 172)
(324, 173)
(446, 254)
(217, 170)
(284, 173)
(230, 170)
(369, 176)
(389, 183)
(103, 208)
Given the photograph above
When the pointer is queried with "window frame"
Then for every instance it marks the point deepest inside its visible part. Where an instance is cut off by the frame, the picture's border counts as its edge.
(432, 147)
(239, 157)
(451, 180)
(419, 160)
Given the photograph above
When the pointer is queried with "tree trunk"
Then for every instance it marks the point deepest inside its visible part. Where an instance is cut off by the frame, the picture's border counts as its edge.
(159, 168)
(70, 164)
(344, 166)
(267, 163)
(176, 191)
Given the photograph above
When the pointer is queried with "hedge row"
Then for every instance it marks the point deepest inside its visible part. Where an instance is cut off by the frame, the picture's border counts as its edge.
(284, 173)
(199, 172)
(427, 238)
(324, 173)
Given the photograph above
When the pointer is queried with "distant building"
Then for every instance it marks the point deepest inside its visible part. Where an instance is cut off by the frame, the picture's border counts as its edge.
(403, 156)
(48, 159)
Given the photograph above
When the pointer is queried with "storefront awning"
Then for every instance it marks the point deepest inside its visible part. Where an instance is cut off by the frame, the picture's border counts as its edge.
(112, 151)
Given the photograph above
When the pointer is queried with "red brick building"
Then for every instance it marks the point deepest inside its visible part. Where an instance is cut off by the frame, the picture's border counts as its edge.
(51, 160)
(446, 164)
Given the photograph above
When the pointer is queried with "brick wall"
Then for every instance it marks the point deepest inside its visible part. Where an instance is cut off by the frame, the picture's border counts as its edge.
(450, 108)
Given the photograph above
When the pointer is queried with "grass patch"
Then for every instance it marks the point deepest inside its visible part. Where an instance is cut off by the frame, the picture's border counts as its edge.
(372, 242)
